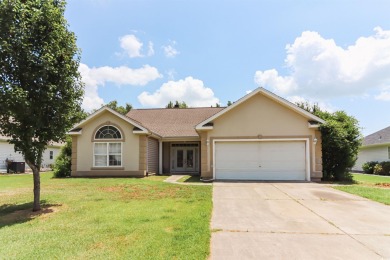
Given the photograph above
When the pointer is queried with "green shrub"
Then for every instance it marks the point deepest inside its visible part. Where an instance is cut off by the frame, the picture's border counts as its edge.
(368, 167)
(385, 167)
(63, 163)
(341, 140)
(378, 170)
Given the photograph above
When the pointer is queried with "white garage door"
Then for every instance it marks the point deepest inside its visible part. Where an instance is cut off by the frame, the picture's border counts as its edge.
(265, 160)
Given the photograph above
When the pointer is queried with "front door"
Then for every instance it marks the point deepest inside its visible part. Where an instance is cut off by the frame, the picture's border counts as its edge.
(190, 159)
(184, 159)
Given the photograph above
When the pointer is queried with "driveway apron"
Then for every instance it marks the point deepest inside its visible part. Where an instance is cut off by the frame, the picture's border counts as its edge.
(296, 220)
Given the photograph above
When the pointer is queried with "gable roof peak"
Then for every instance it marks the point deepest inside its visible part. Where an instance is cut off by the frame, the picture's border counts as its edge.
(105, 108)
(269, 94)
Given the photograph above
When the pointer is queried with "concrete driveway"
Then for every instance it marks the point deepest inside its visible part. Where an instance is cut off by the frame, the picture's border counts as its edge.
(296, 221)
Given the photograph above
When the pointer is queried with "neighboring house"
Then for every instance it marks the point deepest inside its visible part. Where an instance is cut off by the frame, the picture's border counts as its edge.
(260, 137)
(7, 152)
(375, 147)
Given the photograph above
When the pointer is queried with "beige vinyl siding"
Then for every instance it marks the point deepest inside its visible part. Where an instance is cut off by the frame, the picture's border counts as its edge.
(152, 155)
(260, 117)
(85, 143)
(166, 157)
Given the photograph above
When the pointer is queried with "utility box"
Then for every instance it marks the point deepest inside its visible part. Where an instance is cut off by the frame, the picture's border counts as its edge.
(16, 167)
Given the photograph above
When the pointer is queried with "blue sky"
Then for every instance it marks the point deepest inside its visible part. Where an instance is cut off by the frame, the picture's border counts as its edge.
(335, 53)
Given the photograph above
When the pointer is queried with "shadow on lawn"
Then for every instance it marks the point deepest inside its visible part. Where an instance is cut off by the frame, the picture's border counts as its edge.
(193, 179)
(345, 182)
(11, 214)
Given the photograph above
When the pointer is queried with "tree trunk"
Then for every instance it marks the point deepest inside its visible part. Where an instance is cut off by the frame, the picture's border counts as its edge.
(37, 186)
(37, 190)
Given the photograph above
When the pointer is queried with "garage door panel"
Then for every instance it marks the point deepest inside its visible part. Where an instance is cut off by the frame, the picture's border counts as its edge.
(234, 166)
(266, 176)
(261, 160)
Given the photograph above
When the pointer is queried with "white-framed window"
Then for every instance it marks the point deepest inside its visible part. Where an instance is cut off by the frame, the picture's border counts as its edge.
(108, 132)
(107, 150)
(107, 154)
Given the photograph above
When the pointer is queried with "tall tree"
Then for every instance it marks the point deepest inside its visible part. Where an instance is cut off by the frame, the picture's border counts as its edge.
(40, 86)
(176, 105)
(121, 109)
(170, 105)
(341, 139)
(114, 105)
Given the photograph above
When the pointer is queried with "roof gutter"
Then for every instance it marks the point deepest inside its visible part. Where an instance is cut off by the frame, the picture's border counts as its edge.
(375, 145)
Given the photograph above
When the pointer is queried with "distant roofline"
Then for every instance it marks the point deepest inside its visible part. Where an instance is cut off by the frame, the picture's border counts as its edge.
(377, 131)
(374, 145)
(173, 108)
(374, 140)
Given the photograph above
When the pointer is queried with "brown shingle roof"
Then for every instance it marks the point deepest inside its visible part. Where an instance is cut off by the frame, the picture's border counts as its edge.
(173, 122)
(380, 137)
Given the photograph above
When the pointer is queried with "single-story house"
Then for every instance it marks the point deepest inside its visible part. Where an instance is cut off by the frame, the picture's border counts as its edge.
(7, 153)
(260, 137)
(375, 147)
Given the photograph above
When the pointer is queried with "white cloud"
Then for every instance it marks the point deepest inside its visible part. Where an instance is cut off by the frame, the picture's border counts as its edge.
(190, 90)
(170, 50)
(171, 74)
(95, 77)
(248, 91)
(131, 45)
(384, 96)
(320, 68)
(124, 75)
(91, 98)
(150, 49)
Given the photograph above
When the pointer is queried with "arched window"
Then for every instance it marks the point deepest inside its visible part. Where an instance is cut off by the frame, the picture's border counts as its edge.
(108, 132)
(106, 152)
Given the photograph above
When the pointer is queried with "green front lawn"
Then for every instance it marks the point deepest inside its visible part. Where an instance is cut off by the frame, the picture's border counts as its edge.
(107, 218)
(190, 179)
(370, 179)
(375, 188)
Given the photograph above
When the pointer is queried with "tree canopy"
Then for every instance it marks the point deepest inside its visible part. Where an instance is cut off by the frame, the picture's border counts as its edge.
(114, 106)
(341, 140)
(176, 105)
(121, 109)
(40, 86)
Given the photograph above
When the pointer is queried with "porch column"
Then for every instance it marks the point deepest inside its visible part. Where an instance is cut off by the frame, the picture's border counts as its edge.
(160, 152)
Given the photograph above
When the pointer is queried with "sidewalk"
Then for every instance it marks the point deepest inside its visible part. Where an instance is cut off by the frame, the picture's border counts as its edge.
(174, 179)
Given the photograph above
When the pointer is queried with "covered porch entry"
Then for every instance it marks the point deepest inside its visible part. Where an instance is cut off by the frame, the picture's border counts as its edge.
(181, 157)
